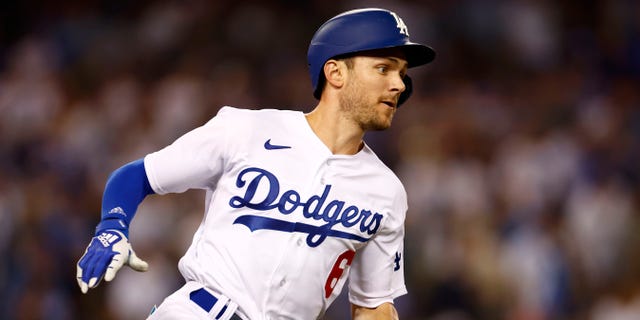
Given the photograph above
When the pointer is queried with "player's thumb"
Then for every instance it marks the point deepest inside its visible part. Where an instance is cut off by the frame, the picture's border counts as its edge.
(136, 263)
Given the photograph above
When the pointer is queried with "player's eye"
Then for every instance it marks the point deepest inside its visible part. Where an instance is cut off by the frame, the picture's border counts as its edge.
(382, 69)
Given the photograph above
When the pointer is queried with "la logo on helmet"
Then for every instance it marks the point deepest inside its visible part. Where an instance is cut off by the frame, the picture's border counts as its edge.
(400, 24)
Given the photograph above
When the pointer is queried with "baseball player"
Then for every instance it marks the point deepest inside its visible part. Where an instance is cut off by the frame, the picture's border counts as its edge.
(295, 203)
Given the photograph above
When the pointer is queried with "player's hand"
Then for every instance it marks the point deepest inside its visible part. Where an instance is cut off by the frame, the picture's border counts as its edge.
(105, 255)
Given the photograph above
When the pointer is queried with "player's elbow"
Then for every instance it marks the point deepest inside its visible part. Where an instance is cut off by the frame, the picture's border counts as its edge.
(385, 311)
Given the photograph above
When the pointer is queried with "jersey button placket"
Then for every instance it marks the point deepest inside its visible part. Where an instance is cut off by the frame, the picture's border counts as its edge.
(325, 171)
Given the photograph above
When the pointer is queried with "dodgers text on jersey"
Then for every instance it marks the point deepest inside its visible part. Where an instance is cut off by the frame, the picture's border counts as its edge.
(334, 212)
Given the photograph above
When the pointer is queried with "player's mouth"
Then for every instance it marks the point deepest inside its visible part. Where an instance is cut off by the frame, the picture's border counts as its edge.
(390, 103)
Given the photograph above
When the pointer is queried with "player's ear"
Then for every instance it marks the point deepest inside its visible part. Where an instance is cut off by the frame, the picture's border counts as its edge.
(334, 72)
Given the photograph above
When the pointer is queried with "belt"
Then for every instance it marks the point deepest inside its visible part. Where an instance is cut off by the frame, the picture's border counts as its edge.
(205, 300)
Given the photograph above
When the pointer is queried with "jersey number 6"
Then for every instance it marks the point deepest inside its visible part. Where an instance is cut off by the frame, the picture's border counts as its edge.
(343, 261)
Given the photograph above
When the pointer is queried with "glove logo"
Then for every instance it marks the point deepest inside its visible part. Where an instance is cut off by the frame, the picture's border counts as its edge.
(107, 239)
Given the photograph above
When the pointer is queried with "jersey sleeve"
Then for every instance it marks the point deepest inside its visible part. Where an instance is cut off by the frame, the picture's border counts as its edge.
(195, 160)
(377, 272)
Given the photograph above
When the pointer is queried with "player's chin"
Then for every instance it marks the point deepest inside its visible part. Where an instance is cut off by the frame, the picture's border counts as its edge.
(382, 123)
(386, 124)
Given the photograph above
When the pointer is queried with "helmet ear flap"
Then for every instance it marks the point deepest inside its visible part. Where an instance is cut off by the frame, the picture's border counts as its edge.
(404, 96)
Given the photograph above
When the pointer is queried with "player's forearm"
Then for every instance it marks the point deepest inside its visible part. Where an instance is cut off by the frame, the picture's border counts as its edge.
(385, 311)
(124, 191)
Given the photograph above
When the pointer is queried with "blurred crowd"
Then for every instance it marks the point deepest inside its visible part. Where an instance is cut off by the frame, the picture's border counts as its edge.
(519, 150)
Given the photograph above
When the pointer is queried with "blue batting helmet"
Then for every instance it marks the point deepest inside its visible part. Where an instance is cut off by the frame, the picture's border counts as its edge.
(361, 30)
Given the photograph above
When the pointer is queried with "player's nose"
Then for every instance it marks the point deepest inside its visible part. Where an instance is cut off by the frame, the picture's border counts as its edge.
(397, 84)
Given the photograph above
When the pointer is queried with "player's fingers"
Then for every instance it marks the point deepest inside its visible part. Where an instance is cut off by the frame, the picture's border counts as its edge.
(114, 266)
(111, 273)
(87, 264)
(96, 268)
(83, 285)
(93, 282)
(83, 264)
(93, 264)
(136, 263)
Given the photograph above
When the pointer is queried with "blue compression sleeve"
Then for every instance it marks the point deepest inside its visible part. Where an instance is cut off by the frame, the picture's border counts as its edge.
(124, 191)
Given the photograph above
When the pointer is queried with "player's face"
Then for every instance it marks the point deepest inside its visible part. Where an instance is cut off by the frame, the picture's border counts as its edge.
(373, 86)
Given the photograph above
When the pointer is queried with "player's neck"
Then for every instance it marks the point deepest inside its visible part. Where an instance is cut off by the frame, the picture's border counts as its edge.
(338, 134)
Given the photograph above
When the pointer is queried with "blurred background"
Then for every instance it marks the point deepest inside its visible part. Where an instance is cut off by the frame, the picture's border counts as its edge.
(519, 150)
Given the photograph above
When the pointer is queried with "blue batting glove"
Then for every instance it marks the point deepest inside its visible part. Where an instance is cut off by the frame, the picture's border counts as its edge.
(108, 251)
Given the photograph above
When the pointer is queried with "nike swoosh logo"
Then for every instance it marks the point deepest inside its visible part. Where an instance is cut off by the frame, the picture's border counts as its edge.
(269, 146)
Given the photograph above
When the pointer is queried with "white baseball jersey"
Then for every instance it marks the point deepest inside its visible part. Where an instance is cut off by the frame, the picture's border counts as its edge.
(286, 220)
